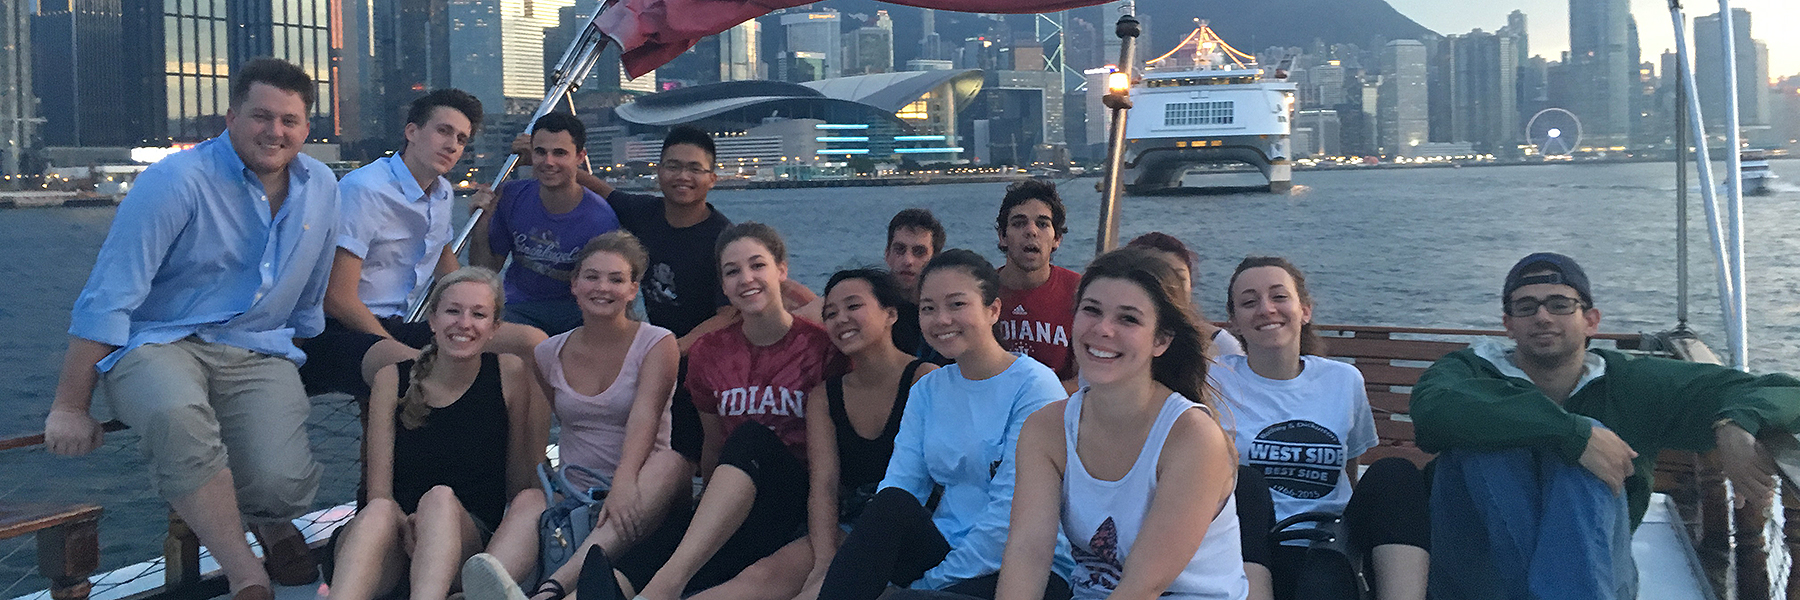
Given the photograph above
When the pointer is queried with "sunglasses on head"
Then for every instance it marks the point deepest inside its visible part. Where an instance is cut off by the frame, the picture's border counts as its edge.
(1558, 305)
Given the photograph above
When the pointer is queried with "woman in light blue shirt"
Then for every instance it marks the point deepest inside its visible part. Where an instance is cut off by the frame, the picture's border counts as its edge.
(958, 433)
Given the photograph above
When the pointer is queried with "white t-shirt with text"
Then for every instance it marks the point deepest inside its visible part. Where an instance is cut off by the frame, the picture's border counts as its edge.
(1300, 432)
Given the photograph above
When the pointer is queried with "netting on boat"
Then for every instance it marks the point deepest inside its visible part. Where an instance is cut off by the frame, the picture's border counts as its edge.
(135, 520)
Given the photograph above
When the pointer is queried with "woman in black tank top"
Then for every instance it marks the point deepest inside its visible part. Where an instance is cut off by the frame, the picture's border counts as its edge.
(851, 436)
(450, 438)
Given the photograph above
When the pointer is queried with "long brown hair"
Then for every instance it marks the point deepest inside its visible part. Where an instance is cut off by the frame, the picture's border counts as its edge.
(1182, 367)
(413, 409)
(1310, 342)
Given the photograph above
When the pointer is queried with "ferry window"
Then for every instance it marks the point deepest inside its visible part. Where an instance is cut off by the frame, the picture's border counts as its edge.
(1198, 113)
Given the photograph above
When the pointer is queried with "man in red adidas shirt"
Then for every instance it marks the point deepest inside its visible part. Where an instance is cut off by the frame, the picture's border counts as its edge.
(1037, 299)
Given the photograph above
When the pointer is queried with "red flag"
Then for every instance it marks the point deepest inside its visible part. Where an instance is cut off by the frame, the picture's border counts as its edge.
(652, 32)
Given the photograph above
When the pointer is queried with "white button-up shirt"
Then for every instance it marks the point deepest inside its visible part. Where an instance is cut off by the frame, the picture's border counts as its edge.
(398, 229)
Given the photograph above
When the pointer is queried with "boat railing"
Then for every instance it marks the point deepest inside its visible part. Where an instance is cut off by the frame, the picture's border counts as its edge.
(1732, 545)
(184, 568)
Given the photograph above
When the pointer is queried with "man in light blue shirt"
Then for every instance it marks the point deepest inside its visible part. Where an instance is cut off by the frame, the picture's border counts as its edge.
(393, 237)
(217, 260)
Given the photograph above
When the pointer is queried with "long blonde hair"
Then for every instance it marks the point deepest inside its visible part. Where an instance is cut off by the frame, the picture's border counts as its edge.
(412, 406)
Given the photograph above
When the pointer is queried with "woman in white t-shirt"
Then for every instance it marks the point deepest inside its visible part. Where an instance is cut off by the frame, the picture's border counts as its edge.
(1135, 467)
(1301, 421)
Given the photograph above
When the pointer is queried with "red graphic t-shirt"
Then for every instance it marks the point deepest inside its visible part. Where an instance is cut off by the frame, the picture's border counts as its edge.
(1038, 321)
(742, 382)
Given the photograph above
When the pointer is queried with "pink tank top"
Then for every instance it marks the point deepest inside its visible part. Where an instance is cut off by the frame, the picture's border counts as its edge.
(593, 427)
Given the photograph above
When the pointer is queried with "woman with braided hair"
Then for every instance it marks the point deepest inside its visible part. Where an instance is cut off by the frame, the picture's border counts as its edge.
(450, 439)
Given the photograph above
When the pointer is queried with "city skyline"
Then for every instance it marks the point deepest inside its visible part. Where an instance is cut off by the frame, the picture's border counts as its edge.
(1550, 19)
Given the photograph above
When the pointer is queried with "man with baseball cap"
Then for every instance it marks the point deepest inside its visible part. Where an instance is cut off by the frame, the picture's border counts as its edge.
(1547, 448)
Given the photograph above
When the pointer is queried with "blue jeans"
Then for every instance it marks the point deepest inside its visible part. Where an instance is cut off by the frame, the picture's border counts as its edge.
(1523, 524)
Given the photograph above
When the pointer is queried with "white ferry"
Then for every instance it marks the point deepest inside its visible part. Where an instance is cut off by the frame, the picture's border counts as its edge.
(1205, 102)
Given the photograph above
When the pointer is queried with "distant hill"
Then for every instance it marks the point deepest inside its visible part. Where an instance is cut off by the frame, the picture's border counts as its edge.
(1253, 26)
(1250, 26)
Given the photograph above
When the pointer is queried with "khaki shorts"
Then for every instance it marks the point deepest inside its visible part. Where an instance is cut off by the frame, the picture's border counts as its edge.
(201, 407)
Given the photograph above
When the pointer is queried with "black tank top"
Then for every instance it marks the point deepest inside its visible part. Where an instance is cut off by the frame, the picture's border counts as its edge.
(462, 446)
(862, 462)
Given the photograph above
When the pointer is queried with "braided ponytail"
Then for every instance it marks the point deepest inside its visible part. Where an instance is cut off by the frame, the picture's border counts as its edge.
(413, 408)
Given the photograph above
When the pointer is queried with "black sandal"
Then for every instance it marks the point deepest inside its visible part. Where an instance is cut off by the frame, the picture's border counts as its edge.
(549, 585)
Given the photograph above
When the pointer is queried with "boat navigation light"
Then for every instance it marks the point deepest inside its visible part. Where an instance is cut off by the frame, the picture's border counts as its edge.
(1118, 82)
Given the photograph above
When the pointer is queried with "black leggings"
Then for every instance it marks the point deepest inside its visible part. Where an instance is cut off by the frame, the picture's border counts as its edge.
(777, 514)
(894, 541)
(1389, 506)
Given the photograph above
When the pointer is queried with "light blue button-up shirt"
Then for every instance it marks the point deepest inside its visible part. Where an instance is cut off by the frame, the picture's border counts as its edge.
(193, 251)
(397, 229)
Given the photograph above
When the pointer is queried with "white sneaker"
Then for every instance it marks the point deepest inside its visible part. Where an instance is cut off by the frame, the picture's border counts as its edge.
(484, 578)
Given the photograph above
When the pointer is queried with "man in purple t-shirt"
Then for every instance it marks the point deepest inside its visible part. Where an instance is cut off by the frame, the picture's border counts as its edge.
(541, 224)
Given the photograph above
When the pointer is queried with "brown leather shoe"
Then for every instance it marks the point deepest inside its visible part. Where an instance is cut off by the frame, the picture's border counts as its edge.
(285, 555)
(255, 592)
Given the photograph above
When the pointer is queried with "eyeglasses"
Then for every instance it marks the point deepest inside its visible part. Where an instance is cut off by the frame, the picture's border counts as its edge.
(678, 168)
(1558, 305)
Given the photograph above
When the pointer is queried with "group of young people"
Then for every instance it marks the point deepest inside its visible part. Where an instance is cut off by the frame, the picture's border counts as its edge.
(939, 428)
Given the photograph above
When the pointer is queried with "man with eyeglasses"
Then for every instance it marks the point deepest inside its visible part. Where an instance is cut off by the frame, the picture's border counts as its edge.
(1547, 448)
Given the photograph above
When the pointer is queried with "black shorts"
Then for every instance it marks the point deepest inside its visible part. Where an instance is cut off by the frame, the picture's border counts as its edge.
(334, 358)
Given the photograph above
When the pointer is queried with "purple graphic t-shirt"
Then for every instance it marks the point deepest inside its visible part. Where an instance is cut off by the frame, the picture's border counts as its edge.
(543, 245)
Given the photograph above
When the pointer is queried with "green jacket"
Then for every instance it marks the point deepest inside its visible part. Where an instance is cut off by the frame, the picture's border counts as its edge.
(1465, 401)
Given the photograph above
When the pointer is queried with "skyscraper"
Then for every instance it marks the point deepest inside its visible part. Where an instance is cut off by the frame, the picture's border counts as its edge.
(1403, 102)
(77, 81)
(298, 31)
(477, 51)
(870, 49)
(17, 103)
(358, 85)
(179, 56)
(1711, 82)
(1601, 70)
(1765, 108)
(931, 45)
(1327, 82)
(815, 33)
(392, 52)
(522, 25)
(1519, 29)
(739, 57)
(1485, 98)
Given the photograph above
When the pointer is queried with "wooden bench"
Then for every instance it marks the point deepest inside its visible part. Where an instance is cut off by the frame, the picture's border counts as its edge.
(68, 542)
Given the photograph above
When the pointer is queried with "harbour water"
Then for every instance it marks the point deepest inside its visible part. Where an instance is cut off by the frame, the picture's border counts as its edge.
(1412, 247)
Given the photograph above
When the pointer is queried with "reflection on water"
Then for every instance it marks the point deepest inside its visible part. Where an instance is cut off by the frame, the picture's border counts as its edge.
(1418, 247)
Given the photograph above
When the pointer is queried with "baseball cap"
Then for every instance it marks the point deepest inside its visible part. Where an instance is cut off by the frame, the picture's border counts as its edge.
(1563, 269)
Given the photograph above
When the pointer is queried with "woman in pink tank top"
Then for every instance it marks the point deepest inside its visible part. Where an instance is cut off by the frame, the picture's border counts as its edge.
(610, 381)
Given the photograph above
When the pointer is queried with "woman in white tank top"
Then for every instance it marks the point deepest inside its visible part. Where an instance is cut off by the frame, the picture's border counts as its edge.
(1136, 472)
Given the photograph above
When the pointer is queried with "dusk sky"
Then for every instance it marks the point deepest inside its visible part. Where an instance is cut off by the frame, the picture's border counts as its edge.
(1772, 21)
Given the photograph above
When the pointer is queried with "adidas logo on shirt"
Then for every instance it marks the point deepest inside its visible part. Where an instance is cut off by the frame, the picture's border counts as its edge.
(1019, 310)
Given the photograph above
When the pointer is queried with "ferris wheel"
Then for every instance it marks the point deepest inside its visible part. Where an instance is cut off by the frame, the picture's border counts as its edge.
(1555, 132)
